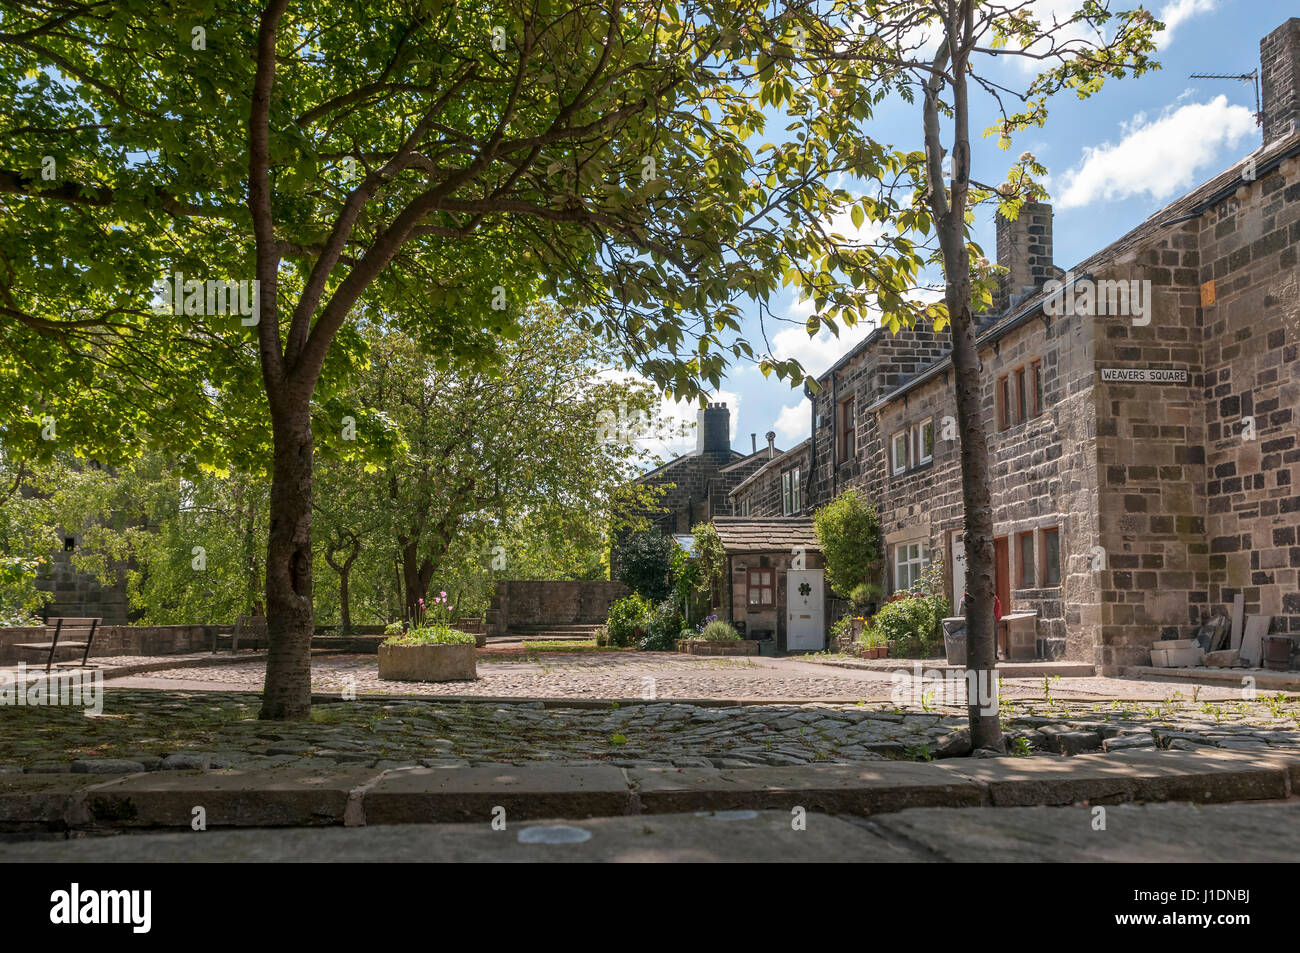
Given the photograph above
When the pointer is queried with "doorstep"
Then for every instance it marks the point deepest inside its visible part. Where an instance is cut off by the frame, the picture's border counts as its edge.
(1265, 679)
(1005, 669)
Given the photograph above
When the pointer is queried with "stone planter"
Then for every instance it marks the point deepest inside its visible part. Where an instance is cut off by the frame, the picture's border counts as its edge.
(742, 647)
(427, 663)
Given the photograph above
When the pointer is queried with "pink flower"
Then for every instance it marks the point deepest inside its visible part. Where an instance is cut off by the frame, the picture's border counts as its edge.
(444, 596)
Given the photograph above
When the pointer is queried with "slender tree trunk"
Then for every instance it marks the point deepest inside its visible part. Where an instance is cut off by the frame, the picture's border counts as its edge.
(344, 570)
(981, 630)
(345, 610)
(948, 202)
(288, 567)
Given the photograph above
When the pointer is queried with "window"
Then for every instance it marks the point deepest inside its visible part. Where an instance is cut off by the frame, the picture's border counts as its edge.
(1036, 388)
(910, 560)
(898, 452)
(1020, 395)
(744, 508)
(847, 433)
(1052, 556)
(761, 588)
(1003, 400)
(791, 494)
(924, 441)
(1025, 559)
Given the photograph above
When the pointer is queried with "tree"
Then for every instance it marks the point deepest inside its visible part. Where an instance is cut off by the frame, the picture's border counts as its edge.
(941, 50)
(486, 449)
(433, 165)
(644, 563)
(848, 532)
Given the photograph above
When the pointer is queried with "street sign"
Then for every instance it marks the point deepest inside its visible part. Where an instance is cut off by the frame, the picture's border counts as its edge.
(1142, 375)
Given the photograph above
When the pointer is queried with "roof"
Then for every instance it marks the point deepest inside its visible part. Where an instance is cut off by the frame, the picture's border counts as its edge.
(736, 457)
(748, 458)
(1189, 206)
(775, 461)
(774, 534)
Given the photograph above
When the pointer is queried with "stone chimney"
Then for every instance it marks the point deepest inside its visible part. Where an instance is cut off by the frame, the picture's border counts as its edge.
(771, 443)
(1279, 73)
(1025, 249)
(713, 430)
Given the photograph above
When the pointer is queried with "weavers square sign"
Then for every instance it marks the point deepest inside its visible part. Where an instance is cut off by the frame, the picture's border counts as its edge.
(1142, 375)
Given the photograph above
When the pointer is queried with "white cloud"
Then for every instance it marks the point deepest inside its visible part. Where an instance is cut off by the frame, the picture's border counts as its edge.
(1160, 157)
(816, 354)
(1177, 12)
(792, 423)
(677, 424)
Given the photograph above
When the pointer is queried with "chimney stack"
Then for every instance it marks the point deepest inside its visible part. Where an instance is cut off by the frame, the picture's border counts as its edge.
(1025, 249)
(753, 443)
(1279, 71)
(771, 444)
(713, 430)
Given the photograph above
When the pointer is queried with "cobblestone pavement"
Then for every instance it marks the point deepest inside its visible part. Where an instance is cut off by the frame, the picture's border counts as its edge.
(142, 729)
(610, 675)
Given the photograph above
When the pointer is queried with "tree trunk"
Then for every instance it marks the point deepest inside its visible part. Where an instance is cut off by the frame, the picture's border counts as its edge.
(948, 206)
(288, 567)
(416, 574)
(981, 630)
(345, 611)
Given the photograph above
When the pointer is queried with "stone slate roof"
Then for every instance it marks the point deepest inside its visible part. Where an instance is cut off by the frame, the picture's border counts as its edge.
(775, 461)
(774, 534)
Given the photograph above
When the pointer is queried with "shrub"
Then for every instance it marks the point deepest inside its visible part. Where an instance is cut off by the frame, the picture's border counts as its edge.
(395, 628)
(718, 631)
(912, 621)
(842, 626)
(662, 627)
(625, 616)
(848, 531)
(644, 563)
(602, 636)
(434, 634)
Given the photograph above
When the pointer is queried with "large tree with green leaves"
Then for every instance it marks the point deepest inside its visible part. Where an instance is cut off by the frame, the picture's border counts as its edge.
(949, 55)
(439, 163)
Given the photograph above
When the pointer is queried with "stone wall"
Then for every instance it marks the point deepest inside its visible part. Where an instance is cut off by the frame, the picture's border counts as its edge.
(117, 640)
(541, 602)
(764, 494)
(1248, 250)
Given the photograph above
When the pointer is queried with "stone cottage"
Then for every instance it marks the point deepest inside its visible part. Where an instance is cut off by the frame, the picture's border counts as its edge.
(1140, 410)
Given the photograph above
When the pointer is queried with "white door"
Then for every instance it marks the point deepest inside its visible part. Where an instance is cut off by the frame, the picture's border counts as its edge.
(805, 629)
(958, 564)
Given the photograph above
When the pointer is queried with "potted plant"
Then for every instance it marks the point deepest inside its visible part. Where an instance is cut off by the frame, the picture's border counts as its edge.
(431, 651)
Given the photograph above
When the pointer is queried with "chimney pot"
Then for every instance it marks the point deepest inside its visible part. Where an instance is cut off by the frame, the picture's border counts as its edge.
(771, 443)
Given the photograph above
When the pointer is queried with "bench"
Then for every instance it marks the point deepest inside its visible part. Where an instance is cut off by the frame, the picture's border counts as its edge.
(247, 627)
(67, 634)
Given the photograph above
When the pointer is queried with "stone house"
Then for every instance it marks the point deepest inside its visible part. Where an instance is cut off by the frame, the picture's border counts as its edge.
(1140, 411)
(698, 484)
(776, 589)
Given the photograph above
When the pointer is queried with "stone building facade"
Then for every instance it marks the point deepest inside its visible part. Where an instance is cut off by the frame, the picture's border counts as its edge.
(697, 486)
(1140, 411)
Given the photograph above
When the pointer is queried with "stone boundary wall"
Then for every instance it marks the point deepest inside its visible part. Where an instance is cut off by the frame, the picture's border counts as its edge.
(533, 602)
(117, 640)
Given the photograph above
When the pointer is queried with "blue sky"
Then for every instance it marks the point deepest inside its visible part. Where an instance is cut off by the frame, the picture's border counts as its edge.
(1114, 159)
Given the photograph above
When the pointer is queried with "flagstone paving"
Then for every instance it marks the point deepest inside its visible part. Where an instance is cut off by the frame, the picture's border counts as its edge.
(142, 729)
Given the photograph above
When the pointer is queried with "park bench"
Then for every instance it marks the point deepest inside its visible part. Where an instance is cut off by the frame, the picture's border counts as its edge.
(248, 628)
(66, 634)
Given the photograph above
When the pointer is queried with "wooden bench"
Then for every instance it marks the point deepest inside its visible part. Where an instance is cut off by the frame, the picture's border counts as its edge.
(247, 627)
(67, 634)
